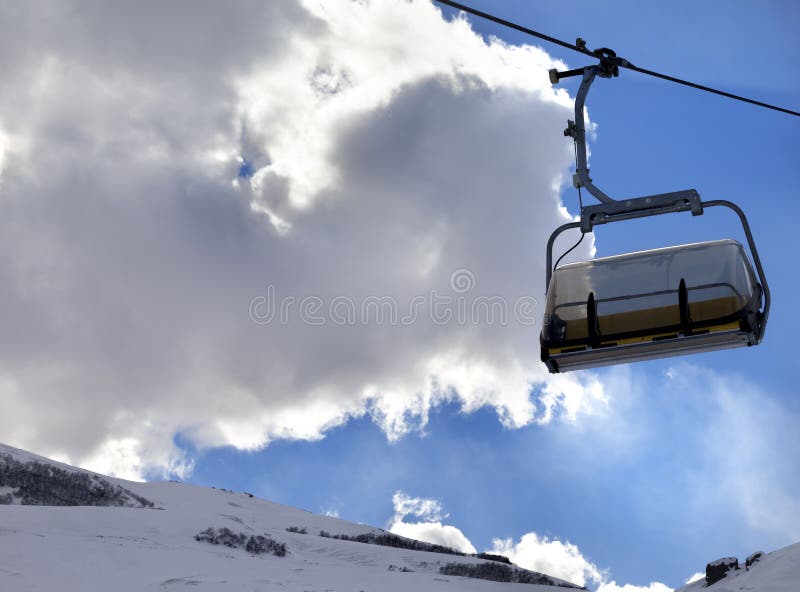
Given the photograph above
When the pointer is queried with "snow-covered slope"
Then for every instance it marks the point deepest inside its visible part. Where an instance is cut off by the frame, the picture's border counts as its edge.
(140, 548)
(127, 545)
(778, 571)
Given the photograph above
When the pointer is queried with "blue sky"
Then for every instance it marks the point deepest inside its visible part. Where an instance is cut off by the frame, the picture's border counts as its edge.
(373, 149)
(623, 508)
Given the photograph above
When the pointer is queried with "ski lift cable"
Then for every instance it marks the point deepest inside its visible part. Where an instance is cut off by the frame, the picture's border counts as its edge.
(580, 47)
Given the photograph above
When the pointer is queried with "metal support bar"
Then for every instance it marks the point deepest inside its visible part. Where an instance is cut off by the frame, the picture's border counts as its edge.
(593, 325)
(555, 75)
(615, 211)
(581, 169)
(640, 207)
(683, 307)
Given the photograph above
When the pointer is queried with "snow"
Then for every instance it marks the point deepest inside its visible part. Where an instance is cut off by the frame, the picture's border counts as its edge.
(778, 571)
(724, 561)
(140, 549)
(136, 549)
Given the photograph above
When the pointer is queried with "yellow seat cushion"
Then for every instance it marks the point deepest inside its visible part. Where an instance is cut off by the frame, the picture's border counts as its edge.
(655, 318)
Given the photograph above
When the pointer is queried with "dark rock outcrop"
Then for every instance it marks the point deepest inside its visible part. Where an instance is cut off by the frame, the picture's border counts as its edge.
(754, 558)
(716, 570)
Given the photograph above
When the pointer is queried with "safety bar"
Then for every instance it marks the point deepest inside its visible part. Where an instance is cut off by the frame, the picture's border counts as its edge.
(756, 259)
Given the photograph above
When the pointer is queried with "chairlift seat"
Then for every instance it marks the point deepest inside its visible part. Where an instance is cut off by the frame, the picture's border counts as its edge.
(651, 304)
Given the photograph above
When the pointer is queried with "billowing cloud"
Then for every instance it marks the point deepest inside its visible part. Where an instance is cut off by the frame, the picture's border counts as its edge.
(242, 225)
(550, 556)
(430, 529)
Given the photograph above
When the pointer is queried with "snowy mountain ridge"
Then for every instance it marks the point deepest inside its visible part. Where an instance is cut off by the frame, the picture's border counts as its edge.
(114, 534)
(64, 528)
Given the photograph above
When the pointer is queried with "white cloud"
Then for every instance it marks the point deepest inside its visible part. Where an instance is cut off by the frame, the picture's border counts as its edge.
(749, 445)
(436, 533)
(5, 145)
(652, 587)
(390, 148)
(695, 577)
(424, 508)
(549, 556)
(756, 443)
(123, 458)
(430, 530)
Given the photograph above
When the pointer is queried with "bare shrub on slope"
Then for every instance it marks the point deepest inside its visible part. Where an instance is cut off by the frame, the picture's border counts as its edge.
(253, 544)
(35, 483)
(499, 572)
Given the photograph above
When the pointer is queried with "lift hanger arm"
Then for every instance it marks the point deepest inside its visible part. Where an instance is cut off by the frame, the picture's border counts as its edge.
(609, 209)
(577, 130)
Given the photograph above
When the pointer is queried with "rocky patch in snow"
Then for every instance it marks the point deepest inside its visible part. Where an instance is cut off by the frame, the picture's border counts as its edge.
(718, 569)
(386, 539)
(34, 483)
(253, 544)
(752, 559)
